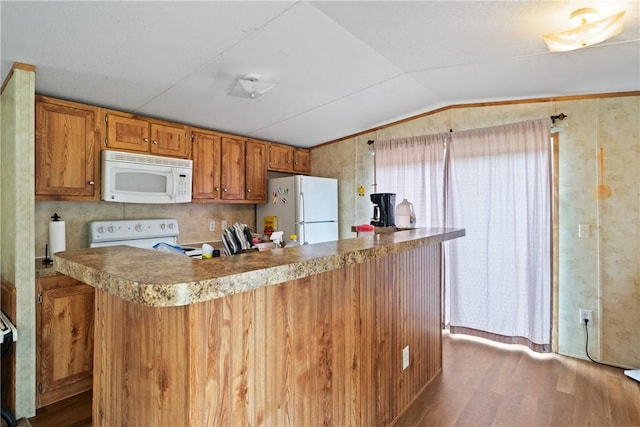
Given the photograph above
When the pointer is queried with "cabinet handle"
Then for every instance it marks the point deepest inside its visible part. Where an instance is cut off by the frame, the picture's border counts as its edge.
(218, 189)
(155, 142)
(145, 139)
(248, 190)
(92, 183)
(225, 190)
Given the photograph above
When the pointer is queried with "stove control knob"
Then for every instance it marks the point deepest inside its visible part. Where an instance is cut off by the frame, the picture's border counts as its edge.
(138, 227)
(170, 226)
(101, 229)
(163, 226)
(111, 229)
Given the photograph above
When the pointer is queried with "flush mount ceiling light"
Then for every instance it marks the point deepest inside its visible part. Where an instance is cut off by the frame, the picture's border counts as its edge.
(251, 87)
(590, 30)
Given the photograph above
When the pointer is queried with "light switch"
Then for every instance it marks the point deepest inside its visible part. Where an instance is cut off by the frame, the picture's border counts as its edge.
(584, 231)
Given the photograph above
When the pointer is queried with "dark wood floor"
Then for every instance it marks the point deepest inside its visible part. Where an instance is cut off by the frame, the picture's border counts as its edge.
(72, 412)
(483, 385)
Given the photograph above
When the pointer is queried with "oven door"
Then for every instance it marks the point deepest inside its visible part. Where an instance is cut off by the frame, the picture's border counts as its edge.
(138, 183)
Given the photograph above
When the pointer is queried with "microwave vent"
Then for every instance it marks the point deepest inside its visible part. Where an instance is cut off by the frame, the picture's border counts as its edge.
(123, 156)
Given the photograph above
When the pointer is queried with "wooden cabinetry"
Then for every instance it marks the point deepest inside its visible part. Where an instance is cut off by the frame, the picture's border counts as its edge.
(256, 171)
(67, 153)
(302, 161)
(325, 349)
(232, 176)
(131, 133)
(64, 338)
(280, 157)
(206, 154)
(227, 168)
(285, 158)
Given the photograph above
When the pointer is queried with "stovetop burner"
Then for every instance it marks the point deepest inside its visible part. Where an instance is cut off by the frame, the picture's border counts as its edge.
(142, 233)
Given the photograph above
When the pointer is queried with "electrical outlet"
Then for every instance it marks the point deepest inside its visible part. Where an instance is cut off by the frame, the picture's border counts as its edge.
(223, 224)
(405, 358)
(584, 231)
(585, 314)
(212, 225)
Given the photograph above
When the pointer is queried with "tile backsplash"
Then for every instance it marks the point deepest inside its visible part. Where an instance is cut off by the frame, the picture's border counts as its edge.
(193, 219)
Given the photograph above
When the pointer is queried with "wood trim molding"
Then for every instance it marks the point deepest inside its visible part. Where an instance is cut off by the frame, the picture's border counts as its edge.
(16, 66)
(486, 104)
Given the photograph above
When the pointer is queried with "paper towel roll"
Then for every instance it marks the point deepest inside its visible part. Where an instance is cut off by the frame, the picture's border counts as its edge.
(57, 237)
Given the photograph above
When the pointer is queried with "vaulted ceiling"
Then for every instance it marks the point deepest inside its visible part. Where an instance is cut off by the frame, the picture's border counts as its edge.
(340, 67)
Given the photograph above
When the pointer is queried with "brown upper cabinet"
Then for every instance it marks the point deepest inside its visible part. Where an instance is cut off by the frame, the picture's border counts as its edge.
(206, 154)
(67, 150)
(130, 133)
(285, 158)
(228, 168)
(232, 176)
(302, 160)
(256, 171)
(280, 157)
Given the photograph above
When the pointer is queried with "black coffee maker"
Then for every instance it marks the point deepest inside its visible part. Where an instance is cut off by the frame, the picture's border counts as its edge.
(384, 207)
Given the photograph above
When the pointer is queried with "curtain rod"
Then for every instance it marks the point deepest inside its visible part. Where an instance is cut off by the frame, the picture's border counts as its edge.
(560, 116)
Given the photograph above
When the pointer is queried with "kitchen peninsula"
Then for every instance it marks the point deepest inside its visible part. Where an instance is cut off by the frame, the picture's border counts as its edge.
(311, 335)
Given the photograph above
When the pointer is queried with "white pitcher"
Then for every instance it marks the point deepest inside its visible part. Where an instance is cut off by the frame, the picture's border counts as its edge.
(405, 215)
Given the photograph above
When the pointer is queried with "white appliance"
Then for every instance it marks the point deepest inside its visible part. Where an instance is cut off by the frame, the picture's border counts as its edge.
(633, 373)
(142, 178)
(304, 205)
(140, 233)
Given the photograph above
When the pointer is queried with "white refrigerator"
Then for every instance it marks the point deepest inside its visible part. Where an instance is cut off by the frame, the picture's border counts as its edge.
(304, 205)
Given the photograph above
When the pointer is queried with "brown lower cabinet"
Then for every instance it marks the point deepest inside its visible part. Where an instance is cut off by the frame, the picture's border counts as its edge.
(64, 338)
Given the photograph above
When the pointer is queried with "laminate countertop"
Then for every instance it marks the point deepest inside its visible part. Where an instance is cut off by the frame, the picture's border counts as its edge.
(160, 279)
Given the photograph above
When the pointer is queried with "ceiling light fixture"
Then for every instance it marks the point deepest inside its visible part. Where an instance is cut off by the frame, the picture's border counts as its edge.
(590, 30)
(251, 87)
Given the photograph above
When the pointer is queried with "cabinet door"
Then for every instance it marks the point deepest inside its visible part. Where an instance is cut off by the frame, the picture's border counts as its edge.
(127, 133)
(64, 339)
(302, 161)
(280, 157)
(206, 165)
(169, 140)
(256, 171)
(233, 168)
(66, 151)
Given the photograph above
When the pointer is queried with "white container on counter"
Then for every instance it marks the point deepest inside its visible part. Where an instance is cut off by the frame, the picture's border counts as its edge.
(405, 215)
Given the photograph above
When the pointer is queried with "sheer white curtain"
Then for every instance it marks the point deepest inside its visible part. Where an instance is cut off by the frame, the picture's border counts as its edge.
(413, 168)
(499, 275)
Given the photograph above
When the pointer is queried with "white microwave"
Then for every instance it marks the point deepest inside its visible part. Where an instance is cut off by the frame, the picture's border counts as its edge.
(142, 178)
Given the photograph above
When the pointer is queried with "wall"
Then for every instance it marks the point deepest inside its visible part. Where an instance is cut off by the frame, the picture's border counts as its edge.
(193, 219)
(350, 162)
(17, 206)
(599, 273)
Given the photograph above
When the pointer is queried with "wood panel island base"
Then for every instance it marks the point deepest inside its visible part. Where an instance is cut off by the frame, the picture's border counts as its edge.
(322, 347)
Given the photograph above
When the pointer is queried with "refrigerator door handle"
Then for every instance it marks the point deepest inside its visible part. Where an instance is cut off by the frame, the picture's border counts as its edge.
(301, 208)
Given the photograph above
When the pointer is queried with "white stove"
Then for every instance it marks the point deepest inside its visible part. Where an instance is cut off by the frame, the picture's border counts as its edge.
(141, 233)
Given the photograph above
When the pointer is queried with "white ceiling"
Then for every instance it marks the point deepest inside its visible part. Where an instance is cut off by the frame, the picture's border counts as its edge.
(340, 67)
